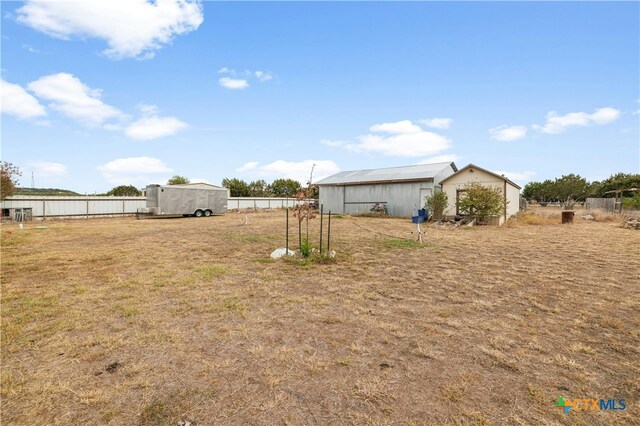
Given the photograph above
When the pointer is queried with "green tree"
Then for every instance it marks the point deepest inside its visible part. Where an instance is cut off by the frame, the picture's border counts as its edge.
(533, 191)
(285, 187)
(539, 191)
(125, 191)
(237, 187)
(616, 181)
(177, 180)
(479, 200)
(8, 179)
(436, 204)
(258, 188)
(571, 188)
(631, 203)
(548, 190)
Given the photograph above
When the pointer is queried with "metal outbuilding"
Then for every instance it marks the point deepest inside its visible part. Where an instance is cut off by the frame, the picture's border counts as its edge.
(454, 185)
(401, 189)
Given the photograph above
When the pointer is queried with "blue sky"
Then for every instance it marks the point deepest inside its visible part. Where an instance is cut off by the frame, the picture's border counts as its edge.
(97, 94)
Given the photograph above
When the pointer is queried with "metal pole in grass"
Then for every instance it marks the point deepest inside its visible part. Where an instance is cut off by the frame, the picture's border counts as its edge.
(286, 206)
(329, 233)
(321, 228)
(299, 232)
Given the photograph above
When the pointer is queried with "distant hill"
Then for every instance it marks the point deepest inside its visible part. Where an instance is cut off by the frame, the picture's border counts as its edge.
(43, 191)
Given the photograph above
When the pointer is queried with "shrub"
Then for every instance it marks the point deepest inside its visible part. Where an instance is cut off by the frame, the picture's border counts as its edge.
(305, 248)
(479, 200)
(436, 204)
(631, 203)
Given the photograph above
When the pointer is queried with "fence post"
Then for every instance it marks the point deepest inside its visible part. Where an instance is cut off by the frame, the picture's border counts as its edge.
(321, 206)
(329, 234)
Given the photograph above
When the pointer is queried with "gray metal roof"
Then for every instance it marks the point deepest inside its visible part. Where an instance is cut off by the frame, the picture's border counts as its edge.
(390, 174)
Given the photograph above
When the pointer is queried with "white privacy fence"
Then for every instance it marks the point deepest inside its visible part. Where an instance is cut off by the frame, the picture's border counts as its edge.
(78, 206)
(261, 202)
(62, 206)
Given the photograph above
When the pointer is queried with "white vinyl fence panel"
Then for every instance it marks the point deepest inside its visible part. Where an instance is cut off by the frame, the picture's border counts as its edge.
(260, 203)
(62, 206)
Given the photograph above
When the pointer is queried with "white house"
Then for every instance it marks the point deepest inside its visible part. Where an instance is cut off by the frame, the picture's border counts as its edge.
(454, 185)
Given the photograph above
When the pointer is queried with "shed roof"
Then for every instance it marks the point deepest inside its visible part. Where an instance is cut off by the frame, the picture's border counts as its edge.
(469, 166)
(201, 185)
(389, 174)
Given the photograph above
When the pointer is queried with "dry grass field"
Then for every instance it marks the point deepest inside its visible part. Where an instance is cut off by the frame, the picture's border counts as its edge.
(123, 321)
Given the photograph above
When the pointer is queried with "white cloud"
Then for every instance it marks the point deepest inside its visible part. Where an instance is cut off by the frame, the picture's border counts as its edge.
(333, 144)
(408, 145)
(559, 123)
(74, 99)
(605, 115)
(148, 110)
(518, 177)
(30, 48)
(154, 127)
(263, 76)
(508, 133)
(232, 83)
(399, 127)
(399, 139)
(45, 169)
(131, 28)
(251, 165)
(135, 165)
(134, 171)
(445, 158)
(18, 102)
(437, 123)
(242, 83)
(297, 170)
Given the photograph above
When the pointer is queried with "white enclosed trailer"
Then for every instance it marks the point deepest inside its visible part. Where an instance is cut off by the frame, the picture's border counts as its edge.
(187, 200)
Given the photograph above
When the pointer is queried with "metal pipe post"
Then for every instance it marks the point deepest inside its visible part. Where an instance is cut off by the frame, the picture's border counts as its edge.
(329, 233)
(321, 228)
(287, 233)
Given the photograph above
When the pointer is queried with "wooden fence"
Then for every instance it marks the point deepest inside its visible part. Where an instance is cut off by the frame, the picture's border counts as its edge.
(607, 204)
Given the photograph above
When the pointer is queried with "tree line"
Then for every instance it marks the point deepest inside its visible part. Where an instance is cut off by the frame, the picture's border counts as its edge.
(260, 188)
(574, 187)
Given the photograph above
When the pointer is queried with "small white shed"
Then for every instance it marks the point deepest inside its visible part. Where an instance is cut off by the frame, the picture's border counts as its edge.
(454, 184)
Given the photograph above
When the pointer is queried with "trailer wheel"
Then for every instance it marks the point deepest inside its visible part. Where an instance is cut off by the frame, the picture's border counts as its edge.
(198, 213)
(207, 213)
